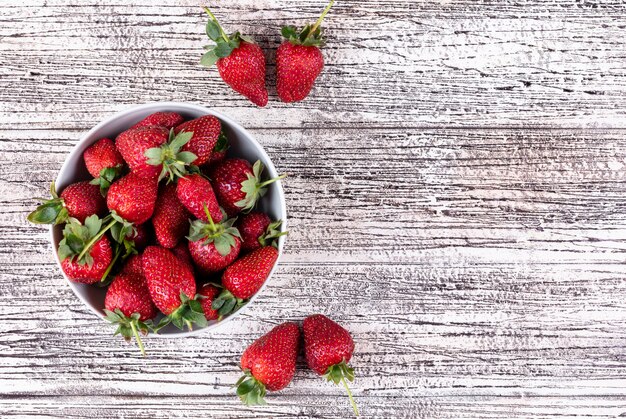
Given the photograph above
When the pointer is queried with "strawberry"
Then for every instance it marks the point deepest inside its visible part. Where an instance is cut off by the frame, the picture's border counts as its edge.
(133, 265)
(79, 200)
(299, 60)
(195, 193)
(140, 236)
(127, 303)
(181, 251)
(84, 251)
(244, 278)
(206, 132)
(269, 363)
(133, 198)
(328, 349)
(258, 230)
(172, 288)
(104, 163)
(240, 61)
(135, 142)
(213, 246)
(238, 185)
(170, 219)
(161, 119)
(209, 292)
(219, 151)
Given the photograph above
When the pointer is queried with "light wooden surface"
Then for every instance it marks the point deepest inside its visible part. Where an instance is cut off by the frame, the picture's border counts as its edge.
(456, 199)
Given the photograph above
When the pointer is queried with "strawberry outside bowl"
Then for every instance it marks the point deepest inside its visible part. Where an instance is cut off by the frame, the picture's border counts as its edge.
(242, 144)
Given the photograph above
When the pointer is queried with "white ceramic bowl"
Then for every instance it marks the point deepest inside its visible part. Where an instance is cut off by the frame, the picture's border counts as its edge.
(242, 144)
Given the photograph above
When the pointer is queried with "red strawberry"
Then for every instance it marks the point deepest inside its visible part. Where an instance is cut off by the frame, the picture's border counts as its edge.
(299, 60)
(243, 278)
(103, 162)
(206, 131)
(135, 142)
(241, 62)
(269, 363)
(161, 119)
(85, 252)
(209, 292)
(258, 230)
(181, 251)
(219, 151)
(328, 349)
(127, 303)
(195, 193)
(170, 219)
(140, 237)
(133, 265)
(133, 198)
(79, 200)
(172, 287)
(238, 185)
(213, 246)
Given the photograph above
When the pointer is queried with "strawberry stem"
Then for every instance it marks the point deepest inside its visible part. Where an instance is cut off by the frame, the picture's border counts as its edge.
(95, 239)
(212, 16)
(139, 342)
(345, 384)
(267, 182)
(321, 18)
(115, 258)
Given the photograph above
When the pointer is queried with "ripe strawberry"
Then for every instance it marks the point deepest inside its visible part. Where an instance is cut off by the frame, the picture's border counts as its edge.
(240, 62)
(133, 198)
(209, 292)
(127, 303)
(269, 363)
(258, 230)
(206, 132)
(244, 278)
(170, 219)
(195, 193)
(104, 163)
(328, 349)
(238, 185)
(140, 236)
(213, 246)
(135, 142)
(79, 200)
(85, 252)
(299, 60)
(181, 251)
(172, 288)
(161, 119)
(133, 265)
(219, 151)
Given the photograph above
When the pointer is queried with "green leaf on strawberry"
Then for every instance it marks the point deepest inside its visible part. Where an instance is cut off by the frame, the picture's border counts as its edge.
(174, 161)
(310, 35)
(254, 188)
(129, 327)
(222, 235)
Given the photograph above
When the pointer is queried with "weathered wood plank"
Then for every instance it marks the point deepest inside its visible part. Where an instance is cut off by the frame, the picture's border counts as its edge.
(389, 63)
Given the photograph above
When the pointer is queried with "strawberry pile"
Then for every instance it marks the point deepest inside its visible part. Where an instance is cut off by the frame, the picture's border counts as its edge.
(270, 362)
(168, 223)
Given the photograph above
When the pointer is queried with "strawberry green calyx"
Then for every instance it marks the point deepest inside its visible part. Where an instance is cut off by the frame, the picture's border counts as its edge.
(78, 239)
(250, 390)
(170, 156)
(342, 373)
(222, 143)
(226, 303)
(224, 43)
(129, 327)
(106, 178)
(254, 188)
(312, 35)
(187, 314)
(222, 235)
(272, 233)
(51, 211)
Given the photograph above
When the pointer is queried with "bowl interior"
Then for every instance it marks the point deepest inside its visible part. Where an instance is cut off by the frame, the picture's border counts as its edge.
(242, 145)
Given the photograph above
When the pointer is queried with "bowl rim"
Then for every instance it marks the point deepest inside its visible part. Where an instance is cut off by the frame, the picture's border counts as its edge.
(168, 107)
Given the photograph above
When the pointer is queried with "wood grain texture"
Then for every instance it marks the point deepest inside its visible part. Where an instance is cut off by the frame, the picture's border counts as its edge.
(475, 252)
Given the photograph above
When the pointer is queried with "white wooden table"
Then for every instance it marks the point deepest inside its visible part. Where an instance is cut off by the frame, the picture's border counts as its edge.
(456, 198)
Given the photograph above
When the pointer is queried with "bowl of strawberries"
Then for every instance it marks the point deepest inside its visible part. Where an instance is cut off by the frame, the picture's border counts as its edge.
(167, 218)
